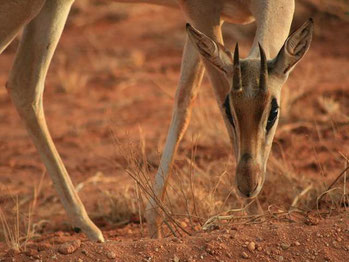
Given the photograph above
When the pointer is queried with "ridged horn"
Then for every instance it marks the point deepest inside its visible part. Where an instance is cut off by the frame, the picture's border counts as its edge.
(264, 69)
(237, 83)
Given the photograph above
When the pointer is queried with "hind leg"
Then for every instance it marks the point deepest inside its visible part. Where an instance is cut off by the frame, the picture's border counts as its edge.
(26, 86)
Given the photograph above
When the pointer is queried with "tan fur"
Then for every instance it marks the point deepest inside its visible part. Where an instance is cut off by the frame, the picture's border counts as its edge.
(44, 22)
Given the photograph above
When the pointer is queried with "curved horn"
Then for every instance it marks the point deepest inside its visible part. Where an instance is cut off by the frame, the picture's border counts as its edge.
(237, 83)
(264, 69)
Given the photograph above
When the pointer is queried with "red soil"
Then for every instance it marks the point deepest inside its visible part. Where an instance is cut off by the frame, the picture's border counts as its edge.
(116, 71)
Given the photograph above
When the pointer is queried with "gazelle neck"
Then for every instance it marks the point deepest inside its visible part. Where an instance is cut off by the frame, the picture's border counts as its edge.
(273, 25)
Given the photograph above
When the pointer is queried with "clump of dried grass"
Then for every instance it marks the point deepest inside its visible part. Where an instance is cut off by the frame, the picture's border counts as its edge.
(18, 227)
(192, 194)
(336, 195)
(138, 168)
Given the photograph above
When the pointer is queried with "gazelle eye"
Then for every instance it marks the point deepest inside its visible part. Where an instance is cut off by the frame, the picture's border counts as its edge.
(274, 110)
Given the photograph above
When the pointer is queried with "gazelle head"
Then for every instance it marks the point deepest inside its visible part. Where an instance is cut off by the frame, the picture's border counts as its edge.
(251, 108)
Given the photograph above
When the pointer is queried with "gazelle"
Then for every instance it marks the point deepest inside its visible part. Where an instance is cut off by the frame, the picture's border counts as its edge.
(247, 90)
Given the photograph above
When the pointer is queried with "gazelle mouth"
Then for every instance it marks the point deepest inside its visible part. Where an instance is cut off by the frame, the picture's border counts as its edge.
(251, 194)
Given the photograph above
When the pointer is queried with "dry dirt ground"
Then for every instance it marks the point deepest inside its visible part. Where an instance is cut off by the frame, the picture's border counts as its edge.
(108, 102)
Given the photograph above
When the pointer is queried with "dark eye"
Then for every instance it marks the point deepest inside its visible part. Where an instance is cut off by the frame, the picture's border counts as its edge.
(274, 110)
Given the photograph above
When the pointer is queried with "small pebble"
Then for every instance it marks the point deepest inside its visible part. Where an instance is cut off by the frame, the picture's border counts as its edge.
(245, 255)
(259, 239)
(69, 247)
(111, 254)
(285, 246)
(175, 259)
(335, 244)
(251, 246)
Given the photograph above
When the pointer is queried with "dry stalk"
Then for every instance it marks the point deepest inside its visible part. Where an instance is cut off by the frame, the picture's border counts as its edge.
(158, 203)
(304, 191)
(330, 189)
(209, 223)
(14, 237)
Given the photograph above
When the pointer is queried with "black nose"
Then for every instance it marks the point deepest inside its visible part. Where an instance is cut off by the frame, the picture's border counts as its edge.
(247, 192)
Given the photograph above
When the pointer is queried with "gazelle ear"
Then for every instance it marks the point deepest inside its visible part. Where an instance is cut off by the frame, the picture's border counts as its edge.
(294, 48)
(214, 52)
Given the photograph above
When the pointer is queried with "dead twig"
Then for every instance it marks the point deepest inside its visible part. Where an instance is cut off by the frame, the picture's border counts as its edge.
(330, 187)
(296, 199)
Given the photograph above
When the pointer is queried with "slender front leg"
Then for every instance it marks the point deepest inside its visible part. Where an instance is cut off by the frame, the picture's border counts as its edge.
(192, 71)
(207, 19)
(26, 85)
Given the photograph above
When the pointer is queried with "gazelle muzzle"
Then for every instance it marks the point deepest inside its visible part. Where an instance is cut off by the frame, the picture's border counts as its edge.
(249, 176)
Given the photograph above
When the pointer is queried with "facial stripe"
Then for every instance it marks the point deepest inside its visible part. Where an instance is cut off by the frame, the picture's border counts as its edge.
(227, 109)
(274, 110)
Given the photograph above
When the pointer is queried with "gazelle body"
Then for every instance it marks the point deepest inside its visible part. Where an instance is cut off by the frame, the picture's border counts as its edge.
(247, 90)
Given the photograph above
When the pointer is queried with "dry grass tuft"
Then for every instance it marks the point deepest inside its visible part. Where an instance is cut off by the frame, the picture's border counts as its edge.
(18, 227)
(336, 195)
